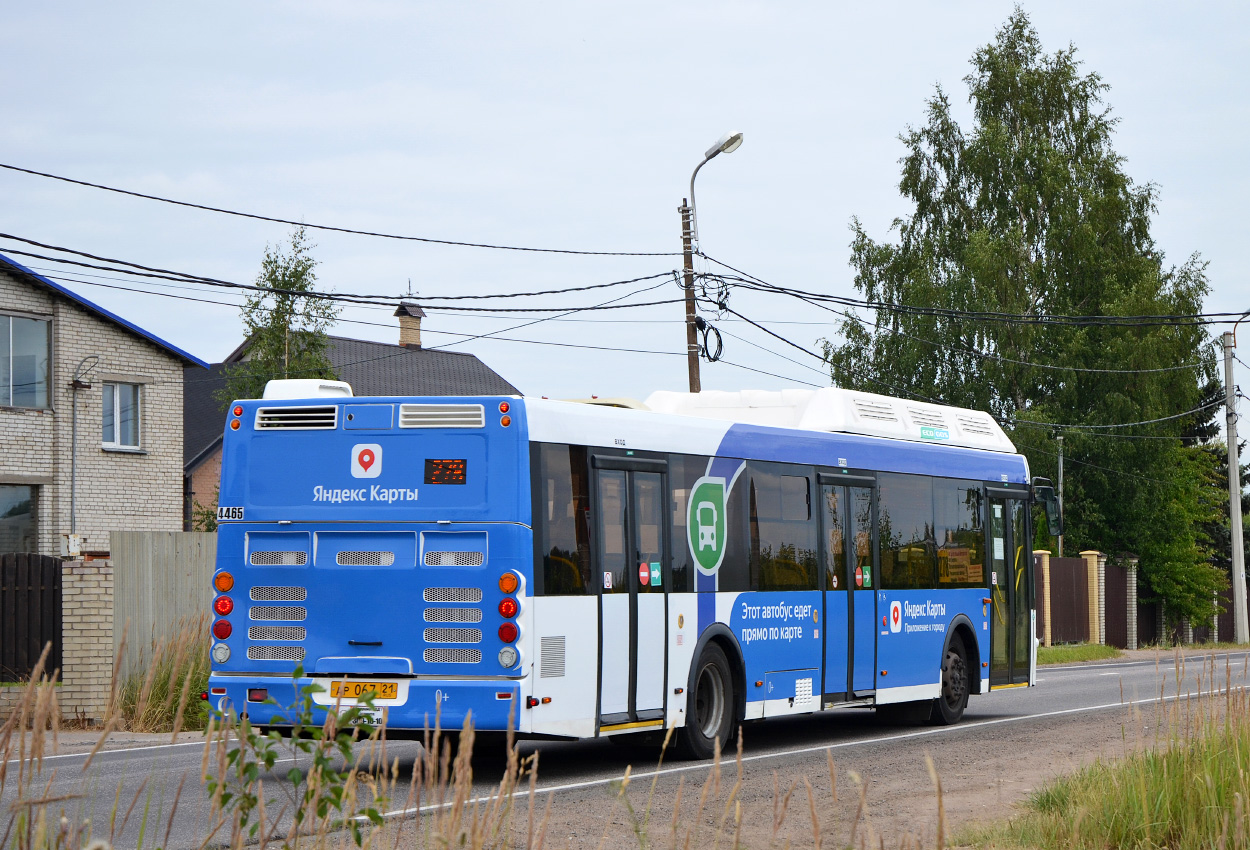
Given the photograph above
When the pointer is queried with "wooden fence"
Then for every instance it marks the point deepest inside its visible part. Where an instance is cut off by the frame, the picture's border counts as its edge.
(162, 579)
(30, 614)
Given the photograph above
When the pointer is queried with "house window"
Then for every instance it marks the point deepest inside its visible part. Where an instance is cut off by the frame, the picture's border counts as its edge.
(24, 346)
(121, 416)
(17, 518)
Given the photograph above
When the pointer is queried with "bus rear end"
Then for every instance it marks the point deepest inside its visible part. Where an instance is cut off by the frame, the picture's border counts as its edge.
(378, 545)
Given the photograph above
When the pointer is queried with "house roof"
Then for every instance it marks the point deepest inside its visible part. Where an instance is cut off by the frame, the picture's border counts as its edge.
(107, 315)
(372, 368)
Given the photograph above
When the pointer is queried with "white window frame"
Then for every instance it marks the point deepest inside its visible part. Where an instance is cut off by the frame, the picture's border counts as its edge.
(115, 445)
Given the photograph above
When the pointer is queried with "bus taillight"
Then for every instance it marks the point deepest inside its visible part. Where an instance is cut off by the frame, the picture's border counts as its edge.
(223, 605)
(507, 632)
(222, 629)
(508, 607)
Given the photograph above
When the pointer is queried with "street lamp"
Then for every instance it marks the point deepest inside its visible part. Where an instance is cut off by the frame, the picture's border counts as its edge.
(727, 143)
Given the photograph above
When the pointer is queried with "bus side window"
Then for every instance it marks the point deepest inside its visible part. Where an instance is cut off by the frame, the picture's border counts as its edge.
(564, 531)
(908, 547)
(783, 535)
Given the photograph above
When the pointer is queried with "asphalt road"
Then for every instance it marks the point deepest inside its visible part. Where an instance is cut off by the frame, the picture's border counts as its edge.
(146, 780)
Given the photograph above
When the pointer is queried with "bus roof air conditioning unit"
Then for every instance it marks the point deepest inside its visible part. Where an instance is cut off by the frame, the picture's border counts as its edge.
(288, 388)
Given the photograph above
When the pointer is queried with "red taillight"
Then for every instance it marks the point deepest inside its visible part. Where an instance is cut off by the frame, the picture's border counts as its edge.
(508, 632)
(508, 607)
(504, 407)
(222, 629)
(257, 694)
(238, 410)
(223, 605)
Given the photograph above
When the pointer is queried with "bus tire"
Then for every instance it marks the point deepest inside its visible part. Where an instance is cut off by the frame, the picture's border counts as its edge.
(710, 706)
(948, 708)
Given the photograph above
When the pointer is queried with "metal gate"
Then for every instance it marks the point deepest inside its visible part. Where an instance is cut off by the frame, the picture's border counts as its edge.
(30, 614)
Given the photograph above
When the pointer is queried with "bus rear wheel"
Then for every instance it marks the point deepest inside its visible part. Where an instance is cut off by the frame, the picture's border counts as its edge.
(710, 706)
(948, 708)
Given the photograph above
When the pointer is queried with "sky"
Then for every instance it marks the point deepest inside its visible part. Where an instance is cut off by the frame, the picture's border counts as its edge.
(568, 126)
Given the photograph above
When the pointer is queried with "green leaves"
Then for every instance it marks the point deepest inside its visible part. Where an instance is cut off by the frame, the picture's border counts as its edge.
(285, 323)
(1028, 214)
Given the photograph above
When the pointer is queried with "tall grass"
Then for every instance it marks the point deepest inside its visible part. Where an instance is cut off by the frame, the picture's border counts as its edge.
(1069, 653)
(1191, 789)
(164, 694)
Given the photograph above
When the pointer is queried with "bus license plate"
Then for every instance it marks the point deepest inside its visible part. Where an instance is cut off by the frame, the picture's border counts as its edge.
(355, 690)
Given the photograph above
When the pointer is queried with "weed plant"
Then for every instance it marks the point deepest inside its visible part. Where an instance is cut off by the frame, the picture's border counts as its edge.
(1075, 652)
(165, 694)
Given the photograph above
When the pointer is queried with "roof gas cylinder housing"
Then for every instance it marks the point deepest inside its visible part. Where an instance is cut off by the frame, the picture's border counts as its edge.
(837, 410)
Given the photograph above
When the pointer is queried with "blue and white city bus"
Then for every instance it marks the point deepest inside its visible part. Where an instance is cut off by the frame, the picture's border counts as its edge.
(593, 569)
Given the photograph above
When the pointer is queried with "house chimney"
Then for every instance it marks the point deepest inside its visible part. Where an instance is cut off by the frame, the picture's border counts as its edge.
(410, 315)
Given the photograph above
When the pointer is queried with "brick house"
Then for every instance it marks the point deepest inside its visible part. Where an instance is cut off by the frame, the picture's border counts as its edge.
(127, 473)
(372, 368)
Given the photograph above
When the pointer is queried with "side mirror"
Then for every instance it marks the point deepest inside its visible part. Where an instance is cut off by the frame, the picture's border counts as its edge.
(1043, 492)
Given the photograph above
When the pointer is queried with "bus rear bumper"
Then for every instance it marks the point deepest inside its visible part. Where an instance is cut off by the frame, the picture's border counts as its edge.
(493, 705)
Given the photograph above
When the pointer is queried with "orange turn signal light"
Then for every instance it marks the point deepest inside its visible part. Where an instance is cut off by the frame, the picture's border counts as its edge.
(224, 582)
(508, 583)
(234, 424)
(505, 421)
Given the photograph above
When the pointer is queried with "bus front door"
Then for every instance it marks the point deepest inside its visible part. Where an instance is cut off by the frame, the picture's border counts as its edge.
(1011, 583)
(633, 579)
(850, 588)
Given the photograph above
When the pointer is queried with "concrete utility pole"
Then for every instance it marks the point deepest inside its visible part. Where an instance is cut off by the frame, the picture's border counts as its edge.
(1240, 631)
(727, 143)
(692, 333)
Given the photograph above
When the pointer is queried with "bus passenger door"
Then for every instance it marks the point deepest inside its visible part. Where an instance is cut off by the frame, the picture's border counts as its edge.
(630, 505)
(849, 583)
(1011, 581)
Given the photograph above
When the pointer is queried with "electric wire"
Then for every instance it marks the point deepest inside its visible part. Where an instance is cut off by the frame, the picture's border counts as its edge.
(333, 229)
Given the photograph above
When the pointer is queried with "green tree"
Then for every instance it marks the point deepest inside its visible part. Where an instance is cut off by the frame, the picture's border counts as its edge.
(285, 323)
(1029, 215)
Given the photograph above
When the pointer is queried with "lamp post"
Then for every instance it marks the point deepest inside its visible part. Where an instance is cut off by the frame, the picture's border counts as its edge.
(727, 143)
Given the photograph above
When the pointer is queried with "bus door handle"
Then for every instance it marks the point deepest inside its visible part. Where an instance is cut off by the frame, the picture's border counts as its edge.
(364, 643)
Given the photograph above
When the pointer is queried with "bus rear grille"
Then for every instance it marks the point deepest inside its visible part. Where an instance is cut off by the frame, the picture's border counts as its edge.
(276, 633)
(278, 594)
(453, 594)
(297, 418)
(454, 559)
(365, 559)
(279, 559)
(437, 635)
(275, 653)
(442, 416)
(453, 615)
(278, 612)
(452, 655)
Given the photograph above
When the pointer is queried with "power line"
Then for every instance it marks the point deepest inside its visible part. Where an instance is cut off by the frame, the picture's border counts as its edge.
(168, 274)
(333, 229)
(750, 281)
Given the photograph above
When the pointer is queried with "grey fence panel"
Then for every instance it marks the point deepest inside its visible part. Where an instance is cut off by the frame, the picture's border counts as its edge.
(162, 581)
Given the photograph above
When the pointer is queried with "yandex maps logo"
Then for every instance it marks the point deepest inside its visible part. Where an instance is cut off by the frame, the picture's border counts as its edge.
(896, 617)
(366, 460)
